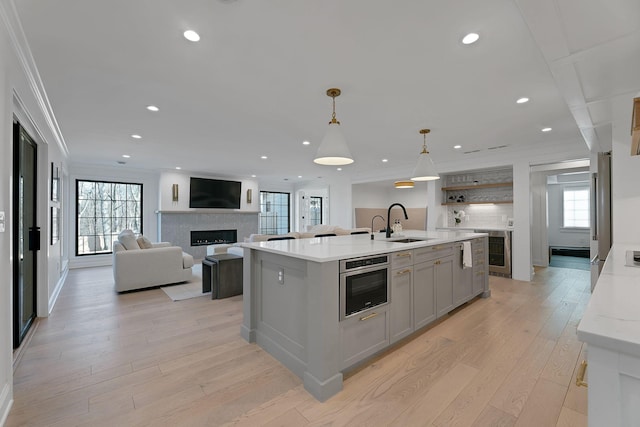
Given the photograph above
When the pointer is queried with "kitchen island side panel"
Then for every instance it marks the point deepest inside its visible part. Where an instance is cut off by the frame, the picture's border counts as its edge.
(323, 378)
(296, 317)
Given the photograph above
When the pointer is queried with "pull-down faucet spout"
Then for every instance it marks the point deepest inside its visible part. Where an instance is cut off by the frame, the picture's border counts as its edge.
(389, 217)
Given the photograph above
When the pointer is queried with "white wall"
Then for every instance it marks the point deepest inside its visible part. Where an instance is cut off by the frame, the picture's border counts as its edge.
(22, 97)
(182, 178)
(625, 179)
(558, 235)
(340, 202)
(383, 194)
(6, 153)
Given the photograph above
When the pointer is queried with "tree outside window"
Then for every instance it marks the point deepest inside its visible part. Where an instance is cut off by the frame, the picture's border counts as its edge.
(274, 213)
(103, 210)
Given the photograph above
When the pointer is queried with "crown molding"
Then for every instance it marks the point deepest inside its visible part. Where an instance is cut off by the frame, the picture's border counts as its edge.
(9, 16)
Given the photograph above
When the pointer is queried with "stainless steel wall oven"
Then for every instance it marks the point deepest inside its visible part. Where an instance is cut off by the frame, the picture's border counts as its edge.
(499, 252)
(364, 284)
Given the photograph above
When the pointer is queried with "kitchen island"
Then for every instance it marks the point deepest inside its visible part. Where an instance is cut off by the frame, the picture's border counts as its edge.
(294, 297)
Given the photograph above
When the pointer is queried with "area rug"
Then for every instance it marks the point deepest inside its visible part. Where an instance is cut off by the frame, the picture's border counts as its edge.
(186, 290)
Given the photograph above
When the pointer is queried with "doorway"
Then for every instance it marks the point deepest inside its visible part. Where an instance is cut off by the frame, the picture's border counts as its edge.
(559, 227)
(25, 231)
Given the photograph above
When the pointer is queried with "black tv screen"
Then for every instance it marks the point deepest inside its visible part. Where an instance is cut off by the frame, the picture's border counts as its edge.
(214, 193)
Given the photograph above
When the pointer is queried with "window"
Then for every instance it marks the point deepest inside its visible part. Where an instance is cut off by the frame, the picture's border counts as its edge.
(274, 212)
(103, 210)
(575, 207)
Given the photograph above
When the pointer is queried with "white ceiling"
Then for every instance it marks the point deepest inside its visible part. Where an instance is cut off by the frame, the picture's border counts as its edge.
(255, 84)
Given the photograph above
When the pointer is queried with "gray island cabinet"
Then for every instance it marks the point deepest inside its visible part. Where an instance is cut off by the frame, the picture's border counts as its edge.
(292, 298)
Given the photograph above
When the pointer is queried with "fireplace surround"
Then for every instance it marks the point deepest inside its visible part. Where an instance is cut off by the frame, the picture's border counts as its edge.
(176, 227)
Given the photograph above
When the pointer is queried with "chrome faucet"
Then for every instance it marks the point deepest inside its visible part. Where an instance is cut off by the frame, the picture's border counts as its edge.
(373, 219)
(389, 217)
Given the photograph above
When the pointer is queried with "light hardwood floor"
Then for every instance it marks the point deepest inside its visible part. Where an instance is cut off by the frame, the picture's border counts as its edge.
(141, 359)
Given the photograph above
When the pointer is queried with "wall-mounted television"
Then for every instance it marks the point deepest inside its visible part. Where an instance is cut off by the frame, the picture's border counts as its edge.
(214, 193)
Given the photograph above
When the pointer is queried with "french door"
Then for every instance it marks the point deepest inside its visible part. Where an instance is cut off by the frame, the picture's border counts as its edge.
(26, 233)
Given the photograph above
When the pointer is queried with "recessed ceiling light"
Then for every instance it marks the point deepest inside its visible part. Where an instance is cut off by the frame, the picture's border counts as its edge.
(385, 160)
(191, 35)
(457, 147)
(264, 157)
(253, 176)
(152, 108)
(126, 156)
(470, 38)
(546, 129)
(522, 100)
(305, 143)
(339, 169)
(299, 176)
(136, 136)
(178, 168)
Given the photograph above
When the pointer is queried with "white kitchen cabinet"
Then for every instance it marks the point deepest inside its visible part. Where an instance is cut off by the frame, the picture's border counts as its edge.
(610, 326)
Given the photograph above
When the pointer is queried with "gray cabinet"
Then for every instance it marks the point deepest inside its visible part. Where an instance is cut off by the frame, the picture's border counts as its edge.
(401, 296)
(443, 273)
(424, 298)
(462, 280)
(364, 335)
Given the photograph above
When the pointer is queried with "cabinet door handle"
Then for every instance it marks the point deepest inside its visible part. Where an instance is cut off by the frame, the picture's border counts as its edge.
(370, 316)
(582, 370)
(437, 262)
(400, 273)
(403, 254)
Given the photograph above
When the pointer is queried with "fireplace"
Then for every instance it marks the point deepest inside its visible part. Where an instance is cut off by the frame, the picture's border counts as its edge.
(213, 237)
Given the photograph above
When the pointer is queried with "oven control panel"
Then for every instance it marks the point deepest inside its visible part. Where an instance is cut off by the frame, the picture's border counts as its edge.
(352, 264)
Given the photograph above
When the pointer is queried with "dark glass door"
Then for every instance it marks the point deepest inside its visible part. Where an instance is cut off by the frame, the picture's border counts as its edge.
(26, 232)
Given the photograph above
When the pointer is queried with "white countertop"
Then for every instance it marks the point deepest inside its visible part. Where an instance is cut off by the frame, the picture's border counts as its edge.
(323, 249)
(612, 318)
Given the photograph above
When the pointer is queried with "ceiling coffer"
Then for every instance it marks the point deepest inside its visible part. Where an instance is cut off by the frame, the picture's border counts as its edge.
(635, 128)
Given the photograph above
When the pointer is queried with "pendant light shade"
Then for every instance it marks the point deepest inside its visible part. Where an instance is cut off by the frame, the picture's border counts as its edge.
(403, 184)
(333, 149)
(425, 169)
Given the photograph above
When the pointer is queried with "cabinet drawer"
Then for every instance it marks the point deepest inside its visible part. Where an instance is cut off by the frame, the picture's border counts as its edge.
(401, 259)
(432, 252)
(364, 335)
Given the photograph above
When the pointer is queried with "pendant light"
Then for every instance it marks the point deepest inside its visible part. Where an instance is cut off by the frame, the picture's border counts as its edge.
(403, 184)
(333, 149)
(425, 170)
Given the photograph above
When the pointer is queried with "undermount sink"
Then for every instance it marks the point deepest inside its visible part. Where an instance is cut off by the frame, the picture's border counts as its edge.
(408, 240)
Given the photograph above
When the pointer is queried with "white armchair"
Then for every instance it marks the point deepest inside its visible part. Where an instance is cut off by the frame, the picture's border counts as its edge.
(160, 264)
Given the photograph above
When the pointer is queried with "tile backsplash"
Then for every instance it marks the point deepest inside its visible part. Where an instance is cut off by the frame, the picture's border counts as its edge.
(478, 216)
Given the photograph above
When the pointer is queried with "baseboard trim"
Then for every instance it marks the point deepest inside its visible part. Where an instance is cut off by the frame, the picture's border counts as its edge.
(58, 288)
(6, 402)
